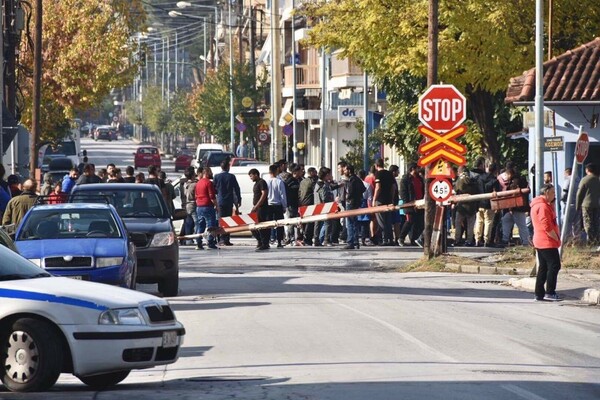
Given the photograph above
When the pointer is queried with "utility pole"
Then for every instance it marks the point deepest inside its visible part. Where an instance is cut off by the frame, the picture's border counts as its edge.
(432, 79)
(239, 22)
(37, 89)
(294, 88)
(539, 95)
(275, 81)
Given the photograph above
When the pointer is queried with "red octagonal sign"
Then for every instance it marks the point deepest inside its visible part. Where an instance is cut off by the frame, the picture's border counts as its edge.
(442, 108)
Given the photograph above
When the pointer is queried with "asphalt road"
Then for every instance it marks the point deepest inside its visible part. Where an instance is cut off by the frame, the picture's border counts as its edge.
(306, 323)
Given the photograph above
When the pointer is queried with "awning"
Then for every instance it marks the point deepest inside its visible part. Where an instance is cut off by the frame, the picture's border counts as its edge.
(286, 113)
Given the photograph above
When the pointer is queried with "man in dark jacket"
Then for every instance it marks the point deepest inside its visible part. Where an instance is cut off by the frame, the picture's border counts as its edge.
(383, 195)
(588, 201)
(465, 211)
(306, 197)
(228, 195)
(292, 189)
(412, 187)
(354, 189)
(89, 175)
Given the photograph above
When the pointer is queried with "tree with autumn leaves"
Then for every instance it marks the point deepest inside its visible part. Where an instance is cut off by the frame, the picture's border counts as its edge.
(482, 44)
(87, 50)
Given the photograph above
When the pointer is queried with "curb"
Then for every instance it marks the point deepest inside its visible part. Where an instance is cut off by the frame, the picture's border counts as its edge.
(590, 296)
(489, 270)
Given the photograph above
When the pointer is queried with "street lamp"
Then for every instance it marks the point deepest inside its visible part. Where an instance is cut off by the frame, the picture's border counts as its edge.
(173, 13)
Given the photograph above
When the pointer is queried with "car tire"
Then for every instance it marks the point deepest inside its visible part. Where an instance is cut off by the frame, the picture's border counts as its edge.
(169, 287)
(104, 380)
(39, 350)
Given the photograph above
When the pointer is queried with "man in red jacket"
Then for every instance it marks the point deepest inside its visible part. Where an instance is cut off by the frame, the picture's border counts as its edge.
(546, 240)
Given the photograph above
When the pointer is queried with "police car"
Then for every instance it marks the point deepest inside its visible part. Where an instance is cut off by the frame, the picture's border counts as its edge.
(99, 333)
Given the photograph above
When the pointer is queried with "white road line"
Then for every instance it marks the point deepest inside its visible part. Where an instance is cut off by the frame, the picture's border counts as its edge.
(525, 394)
(405, 335)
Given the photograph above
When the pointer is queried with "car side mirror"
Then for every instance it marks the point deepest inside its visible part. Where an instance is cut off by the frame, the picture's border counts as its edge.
(179, 214)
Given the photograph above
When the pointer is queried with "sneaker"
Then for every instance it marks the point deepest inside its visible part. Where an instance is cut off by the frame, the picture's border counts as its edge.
(552, 297)
(469, 244)
(199, 247)
(280, 246)
(419, 242)
(228, 244)
(262, 248)
(349, 247)
(213, 247)
(536, 298)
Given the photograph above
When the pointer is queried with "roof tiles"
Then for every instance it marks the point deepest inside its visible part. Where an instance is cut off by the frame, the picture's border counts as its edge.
(572, 76)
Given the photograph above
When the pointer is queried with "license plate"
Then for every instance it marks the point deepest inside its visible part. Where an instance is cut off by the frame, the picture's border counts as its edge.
(147, 157)
(169, 339)
(77, 277)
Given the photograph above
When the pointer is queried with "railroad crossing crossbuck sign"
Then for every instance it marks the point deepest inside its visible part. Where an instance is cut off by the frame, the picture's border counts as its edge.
(442, 108)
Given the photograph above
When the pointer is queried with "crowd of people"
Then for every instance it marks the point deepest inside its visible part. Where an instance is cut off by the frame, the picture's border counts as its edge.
(290, 187)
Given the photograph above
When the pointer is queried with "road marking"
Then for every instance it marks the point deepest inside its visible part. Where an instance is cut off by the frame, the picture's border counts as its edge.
(405, 335)
(522, 392)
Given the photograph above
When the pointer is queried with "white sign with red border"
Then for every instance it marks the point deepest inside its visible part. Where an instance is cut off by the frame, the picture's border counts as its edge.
(440, 190)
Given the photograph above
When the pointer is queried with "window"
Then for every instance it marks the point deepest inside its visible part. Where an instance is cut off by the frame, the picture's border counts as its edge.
(69, 224)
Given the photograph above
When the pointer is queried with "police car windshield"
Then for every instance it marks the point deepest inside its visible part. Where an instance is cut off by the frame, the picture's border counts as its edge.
(13, 267)
(69, 224)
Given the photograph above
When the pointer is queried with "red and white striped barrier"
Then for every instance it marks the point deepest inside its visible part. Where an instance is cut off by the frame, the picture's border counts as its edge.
(238, 220)
(318, 209)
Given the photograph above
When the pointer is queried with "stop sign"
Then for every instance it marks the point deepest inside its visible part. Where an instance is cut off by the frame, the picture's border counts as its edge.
(442, 108)
(582, 147)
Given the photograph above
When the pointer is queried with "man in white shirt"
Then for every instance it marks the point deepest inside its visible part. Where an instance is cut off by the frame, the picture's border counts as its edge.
(276, 200)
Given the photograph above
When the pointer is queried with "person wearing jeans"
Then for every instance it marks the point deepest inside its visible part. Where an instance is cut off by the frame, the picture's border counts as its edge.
(206, 202)
(354, 196)
(546, 240)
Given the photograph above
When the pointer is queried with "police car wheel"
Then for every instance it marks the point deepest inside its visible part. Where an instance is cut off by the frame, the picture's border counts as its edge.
(104, 380)
(31, 355)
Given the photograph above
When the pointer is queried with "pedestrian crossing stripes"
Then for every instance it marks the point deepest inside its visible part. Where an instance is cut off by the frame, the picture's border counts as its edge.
(238, 220)
(318, 209)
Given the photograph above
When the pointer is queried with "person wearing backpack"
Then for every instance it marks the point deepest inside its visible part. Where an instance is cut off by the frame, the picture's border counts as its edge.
(354, 197)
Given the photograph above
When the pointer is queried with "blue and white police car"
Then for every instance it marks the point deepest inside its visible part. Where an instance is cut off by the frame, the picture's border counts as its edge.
(81, 241)
(99, 333)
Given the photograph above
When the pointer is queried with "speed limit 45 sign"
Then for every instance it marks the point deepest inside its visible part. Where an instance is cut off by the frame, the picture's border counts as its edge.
(440, 190)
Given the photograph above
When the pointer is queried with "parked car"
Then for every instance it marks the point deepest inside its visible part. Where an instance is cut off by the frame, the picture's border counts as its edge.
(146, 156)
(145, 214)
(52, 325)
(214, 158)
(81, 241)
(183, 159)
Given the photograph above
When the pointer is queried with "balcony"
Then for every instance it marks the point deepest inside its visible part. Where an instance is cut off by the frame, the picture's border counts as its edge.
(307, 76)
(344, 67)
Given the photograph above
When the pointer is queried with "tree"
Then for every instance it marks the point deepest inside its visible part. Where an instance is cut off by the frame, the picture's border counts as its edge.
(482, 43)
(84, 56)
(210, 101)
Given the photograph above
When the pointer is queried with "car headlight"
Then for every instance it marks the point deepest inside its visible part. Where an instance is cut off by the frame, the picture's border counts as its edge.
(36, 261)
(102, 262)
(122, 316)
(163, 239)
